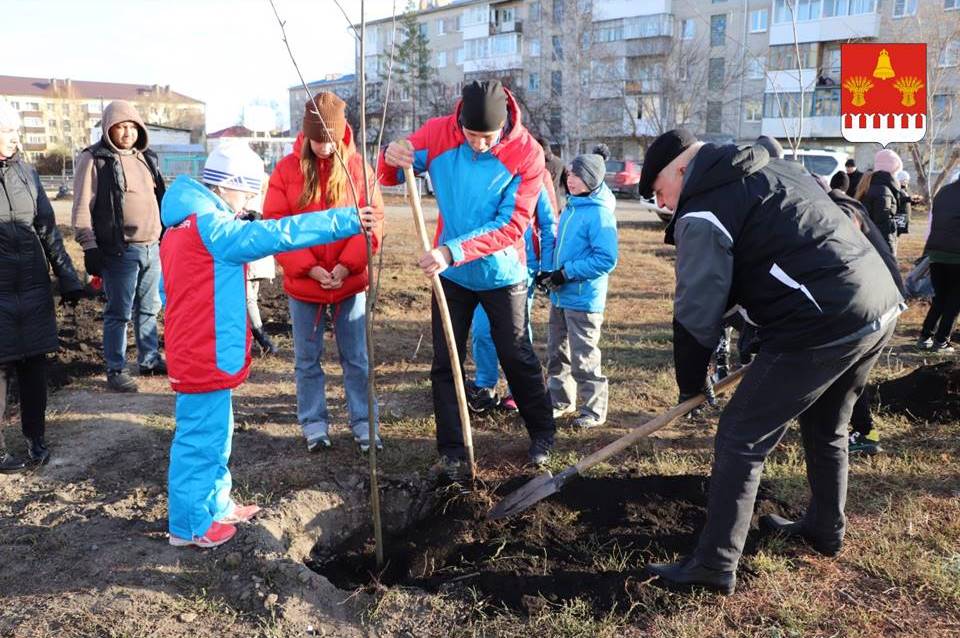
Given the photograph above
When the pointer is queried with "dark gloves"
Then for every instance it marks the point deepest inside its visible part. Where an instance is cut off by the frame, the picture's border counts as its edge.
(549, 281)
(690, 361)
(72, 297)
(249, 216)
(93, 262)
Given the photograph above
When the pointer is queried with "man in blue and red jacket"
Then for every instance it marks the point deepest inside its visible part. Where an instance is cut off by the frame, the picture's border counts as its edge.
(487, 172)
(203, 256)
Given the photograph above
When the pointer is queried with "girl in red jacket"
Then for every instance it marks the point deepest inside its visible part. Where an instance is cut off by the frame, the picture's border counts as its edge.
(327, 279)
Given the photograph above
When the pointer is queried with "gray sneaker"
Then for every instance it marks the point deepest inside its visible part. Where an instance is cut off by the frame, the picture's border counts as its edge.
(925, 343)
(318, 442)
(943, 347)
(585, 422)
(121, 381)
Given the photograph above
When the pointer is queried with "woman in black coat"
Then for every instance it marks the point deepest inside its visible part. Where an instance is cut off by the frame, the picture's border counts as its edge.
(30, 245)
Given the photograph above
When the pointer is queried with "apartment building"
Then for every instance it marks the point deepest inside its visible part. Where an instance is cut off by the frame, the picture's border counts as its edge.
(621, 71)
(62, 114)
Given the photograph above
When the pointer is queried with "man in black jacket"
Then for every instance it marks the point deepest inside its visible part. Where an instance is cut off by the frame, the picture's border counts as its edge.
(759, 236)
(854, 175)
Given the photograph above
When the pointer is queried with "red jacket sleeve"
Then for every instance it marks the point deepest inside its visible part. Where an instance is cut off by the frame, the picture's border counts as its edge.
(296, 263)
(423, 140)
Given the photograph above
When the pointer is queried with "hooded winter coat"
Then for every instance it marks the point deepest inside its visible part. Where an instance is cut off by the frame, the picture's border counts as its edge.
(760, 236)
(945, 221)
(586, 250)
(30, 245)
(283, 194)
(117, 193)
(204, 255)
(882, 201)
(486, 200)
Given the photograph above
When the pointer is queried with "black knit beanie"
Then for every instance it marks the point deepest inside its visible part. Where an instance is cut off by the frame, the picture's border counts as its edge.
(484, 106)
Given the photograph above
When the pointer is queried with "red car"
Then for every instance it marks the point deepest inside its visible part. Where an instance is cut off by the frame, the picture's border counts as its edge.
(623, 176)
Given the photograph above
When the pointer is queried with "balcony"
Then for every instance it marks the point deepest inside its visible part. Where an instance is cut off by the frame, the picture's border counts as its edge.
(506, 27)
(813, 126)
(844, 28)
(788, 81)
(613, 9)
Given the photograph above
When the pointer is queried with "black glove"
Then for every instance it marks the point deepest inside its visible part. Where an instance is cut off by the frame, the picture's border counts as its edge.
(72, 297)
(706, 390)
(93, 262)
(540, 281)
(690, 361)
(250, 216)
(557, 278)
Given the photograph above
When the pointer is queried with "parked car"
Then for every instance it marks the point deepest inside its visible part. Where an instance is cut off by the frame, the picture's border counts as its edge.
(623, 176)
(823, 163)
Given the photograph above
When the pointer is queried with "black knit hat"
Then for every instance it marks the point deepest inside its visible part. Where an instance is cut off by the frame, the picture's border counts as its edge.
(484, 106)
(840, 181)
(589, 167)
(662, 151)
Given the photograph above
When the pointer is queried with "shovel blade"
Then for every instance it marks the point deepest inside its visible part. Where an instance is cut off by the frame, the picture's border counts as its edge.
(528, 495)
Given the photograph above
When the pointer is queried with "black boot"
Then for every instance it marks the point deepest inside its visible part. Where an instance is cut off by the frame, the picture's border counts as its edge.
(686, 575)
(10, 464)
(37, 450)
(266, 346)
(773, 524)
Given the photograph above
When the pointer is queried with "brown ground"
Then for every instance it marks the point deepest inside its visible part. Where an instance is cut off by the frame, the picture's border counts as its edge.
(84, 553)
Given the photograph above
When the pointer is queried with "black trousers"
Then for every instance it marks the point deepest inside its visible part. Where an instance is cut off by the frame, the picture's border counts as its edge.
(31, 375)
(946, 302)
(817, 387)
(507, 311)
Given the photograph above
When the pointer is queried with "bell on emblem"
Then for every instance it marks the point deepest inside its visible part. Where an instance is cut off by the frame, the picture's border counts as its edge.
(884, 69)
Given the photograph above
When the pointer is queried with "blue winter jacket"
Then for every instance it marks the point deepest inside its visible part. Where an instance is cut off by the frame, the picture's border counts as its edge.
(541, 236)
(586, 250)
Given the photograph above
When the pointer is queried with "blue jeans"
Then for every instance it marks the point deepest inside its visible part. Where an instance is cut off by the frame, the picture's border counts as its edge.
(349, 326)
(132, 285)
(484, 353)
(198, 481)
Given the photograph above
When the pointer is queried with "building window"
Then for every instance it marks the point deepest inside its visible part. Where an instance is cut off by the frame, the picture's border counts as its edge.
(556, 83)
(758, 20)
(777, 105)
(52, 124)
(753, 111)
(533, 13)
(785, 10)
(533, 48)
(716, 73)
(826, 102)
(756, 69)
(458, 24)
(688, 29)
(558, 10)
(718, 29)
(32, 122)
(31, 106)
(460, 56)
(533, 82)
(476, 15)
(832, 8)
(557, 48)
(942, 105)
(904, 8)
(951, 4)
(714, 117)
(441, 59)
(424, 29)
(440, 27)
(784, 57)
(36, 139)
(15, 105)
(950, 54)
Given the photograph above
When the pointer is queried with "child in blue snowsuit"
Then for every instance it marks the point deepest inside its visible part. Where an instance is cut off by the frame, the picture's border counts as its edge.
(203, 255)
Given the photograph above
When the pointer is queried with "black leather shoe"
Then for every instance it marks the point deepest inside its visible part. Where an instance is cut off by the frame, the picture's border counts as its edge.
(38, 452)
(687, 575)
(11, 465)
(773, 524)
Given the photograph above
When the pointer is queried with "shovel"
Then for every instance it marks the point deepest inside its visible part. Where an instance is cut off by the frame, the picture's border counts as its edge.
(441, 298)
(547, 484)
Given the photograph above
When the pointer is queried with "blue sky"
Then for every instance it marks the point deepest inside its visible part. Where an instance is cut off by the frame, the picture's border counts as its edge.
(226, 53)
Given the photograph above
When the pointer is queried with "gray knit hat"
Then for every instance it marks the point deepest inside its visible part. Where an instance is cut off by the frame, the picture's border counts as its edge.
(590, 168)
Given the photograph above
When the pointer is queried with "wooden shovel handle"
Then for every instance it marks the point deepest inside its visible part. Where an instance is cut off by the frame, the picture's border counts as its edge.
(441, 298)
(655, 424)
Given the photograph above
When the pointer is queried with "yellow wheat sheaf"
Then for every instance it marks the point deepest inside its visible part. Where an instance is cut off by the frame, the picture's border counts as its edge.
(858, 85)
(908, 87)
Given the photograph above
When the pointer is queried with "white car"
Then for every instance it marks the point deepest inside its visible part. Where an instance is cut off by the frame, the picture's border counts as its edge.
(823, 163)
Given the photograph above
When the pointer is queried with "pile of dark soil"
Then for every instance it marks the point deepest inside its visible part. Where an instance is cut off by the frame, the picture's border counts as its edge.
(930, 393)
(81, 344)
(590, 541)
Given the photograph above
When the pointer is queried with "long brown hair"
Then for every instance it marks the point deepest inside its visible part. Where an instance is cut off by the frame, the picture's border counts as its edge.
(336, 183)
(863, 186)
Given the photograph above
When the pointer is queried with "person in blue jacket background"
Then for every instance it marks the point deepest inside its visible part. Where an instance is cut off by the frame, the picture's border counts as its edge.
(540, 239)
(585, 254)
(203, 256)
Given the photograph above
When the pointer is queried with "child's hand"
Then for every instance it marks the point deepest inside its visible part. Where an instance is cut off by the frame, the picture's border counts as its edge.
(337, 277)
(320, 274)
